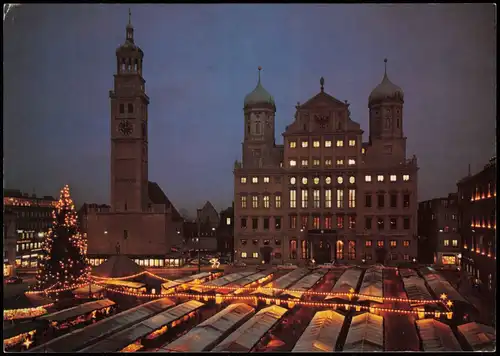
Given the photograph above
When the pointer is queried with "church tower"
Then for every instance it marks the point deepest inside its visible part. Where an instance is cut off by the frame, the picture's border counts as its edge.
(386, 117)
(129, 129)
(258, 145)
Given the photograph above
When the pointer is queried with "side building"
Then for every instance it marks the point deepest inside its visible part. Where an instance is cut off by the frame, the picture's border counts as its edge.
(439, 240)
(142, 223)
(477, 227)
(325, 194)
(31, 218)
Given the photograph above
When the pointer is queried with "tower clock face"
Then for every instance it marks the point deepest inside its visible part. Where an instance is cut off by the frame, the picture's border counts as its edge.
(125, 128)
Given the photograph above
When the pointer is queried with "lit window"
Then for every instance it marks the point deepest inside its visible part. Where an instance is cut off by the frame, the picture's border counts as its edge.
(446, 242)
(340, 143)
(228, 221)
(328, 198)
(352, 198)
(255, 201)
(304, 180)
(316, 201)
(328, 143)
(255, 255)
(368, 243)
(305, 163)
(368, 178)
(352, 180)
(392, 177)
(304, 198)
(316, 180)
(380, 243)
(277, 201)
(328, 162)
(380, 178)
(316, 163)
(243, 180)
(406, 177)
(243, 255)
(315, 144)
(266, 179)
(454, 243)
(244, 202)
(305, 144)
(328, 180)
(352, 143)
(340, 198)
(351, 162)
(266, 201)
(255, 179)
(406, 243)
(293, 180)
(363, 151)
(393, 243)
(340, 162)
(340, 180)
(293, 198)
(293, 163)
(293, 144)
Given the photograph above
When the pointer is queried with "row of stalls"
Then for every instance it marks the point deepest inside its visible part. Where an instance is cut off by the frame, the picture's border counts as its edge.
(185, 283)
(32, 333)
(372, 286)
(213, 285)
(282, 282)
(79, 339)
(149, 332)
(249, 281)
(349, 280)
(305, 283)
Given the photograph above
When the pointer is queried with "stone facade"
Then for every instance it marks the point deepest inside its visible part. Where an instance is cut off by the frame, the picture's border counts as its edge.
(439, 240)
(141, 222)
(208, 214)
(325, 194)
(477, 227)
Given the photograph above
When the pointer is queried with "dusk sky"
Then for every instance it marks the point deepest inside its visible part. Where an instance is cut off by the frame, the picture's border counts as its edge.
(201, 60)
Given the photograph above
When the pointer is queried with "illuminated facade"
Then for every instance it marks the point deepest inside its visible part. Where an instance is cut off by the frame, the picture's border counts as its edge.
(32, 219)
(141, 223)
(439, 240)
(325, 194)
(477, 226)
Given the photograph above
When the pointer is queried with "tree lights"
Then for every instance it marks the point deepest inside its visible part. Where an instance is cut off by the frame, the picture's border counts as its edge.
(63, 262)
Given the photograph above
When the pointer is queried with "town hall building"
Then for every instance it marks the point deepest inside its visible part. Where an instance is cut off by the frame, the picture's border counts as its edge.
(324, 194)
(141, 222)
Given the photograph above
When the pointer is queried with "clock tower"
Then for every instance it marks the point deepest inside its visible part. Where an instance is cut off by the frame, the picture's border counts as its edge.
(129, 129)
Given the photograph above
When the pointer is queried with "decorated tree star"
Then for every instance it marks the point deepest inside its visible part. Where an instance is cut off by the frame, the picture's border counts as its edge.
(63, 263)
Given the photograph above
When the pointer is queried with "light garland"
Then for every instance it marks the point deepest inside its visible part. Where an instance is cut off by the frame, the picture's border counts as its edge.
(291, 302)
(13, 314)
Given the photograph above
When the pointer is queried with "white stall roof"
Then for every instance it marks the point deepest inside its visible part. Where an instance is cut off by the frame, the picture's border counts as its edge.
(437, 336)
(440, 285)
(479, 336)
(322, 332)
(416, 289)
(253, 278)
(372, 285)
(284, 281)
(126, 337)
(80, 338)
(82, 309)
(230, 278)
(212, 331)
(366, 333)
(306, 283)
(249, 334)
(187, 279)
(349, 279)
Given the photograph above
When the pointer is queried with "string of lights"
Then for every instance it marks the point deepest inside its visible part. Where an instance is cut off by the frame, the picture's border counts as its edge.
(291, 302)
(13, 314)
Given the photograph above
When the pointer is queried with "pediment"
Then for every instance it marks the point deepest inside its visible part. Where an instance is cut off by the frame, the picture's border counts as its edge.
(321, 101)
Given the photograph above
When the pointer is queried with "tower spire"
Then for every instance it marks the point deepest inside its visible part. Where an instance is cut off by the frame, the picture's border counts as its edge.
(130, 28)
(385, 67)
(259, 68)
(322, 83)
(129, 17)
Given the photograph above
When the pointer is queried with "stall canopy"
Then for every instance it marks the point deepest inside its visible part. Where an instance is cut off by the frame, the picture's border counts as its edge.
(349, 279)
(407, 273)
(306, 283)
(126, 284)
(188, 279)
(440, 285)
(253, 278)
(26, 301)
(480, 337)
(416, 289)
(212, 331)
(366, 333)
(372, 285)
(230, 278)
(81, 309)
(321, 334)
(117, 266)
(118, 341)
(22, 328)
(284, 281)
(249, 334)
(81, 338)
(437, 336)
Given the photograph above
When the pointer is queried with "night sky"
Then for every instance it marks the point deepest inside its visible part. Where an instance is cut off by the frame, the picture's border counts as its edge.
(201, 61)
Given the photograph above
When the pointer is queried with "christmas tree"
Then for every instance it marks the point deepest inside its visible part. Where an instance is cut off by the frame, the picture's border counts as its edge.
(63, 263)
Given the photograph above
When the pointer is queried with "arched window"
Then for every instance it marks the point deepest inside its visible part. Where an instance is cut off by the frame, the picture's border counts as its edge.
(340, 250)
